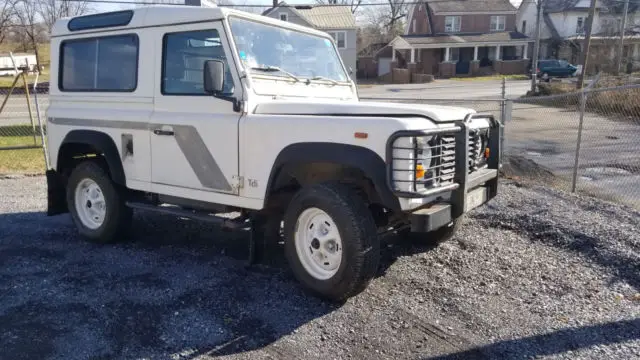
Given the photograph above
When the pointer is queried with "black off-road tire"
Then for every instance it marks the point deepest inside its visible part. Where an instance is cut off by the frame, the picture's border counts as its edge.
(360, 242)
(435, 237)
(118, 216)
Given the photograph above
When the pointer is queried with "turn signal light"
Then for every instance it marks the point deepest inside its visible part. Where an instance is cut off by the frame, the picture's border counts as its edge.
(361, 135)
(486, 153)
(420, 171)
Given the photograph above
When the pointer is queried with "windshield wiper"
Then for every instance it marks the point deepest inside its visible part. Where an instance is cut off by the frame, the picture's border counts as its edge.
(275, 69)
(325, 79)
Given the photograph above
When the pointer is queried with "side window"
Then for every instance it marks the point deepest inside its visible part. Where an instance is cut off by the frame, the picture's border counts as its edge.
(99, 64)
(183, 57)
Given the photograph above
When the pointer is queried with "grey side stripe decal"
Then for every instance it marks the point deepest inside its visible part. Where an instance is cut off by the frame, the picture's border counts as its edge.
(189, 141)
(200, 158)
(131, 125)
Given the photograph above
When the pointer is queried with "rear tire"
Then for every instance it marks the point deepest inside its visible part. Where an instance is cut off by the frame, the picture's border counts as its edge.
(331, 242)
(96, 204)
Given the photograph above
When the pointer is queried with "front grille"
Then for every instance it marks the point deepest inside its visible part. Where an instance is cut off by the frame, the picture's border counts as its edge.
(446, 165)
(437, 155)
(478, 141)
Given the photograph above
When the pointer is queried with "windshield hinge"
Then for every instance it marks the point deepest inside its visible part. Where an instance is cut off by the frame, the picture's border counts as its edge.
(237, 182)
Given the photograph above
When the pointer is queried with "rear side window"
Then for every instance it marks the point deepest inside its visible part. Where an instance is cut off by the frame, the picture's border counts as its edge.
(98, 21)
(99, 64)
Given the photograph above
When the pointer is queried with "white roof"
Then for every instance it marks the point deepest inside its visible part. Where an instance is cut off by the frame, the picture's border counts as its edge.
(158, 15)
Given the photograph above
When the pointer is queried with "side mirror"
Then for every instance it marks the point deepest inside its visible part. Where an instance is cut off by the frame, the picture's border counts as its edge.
(213, 76)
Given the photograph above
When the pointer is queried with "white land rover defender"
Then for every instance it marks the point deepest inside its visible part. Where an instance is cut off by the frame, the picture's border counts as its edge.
(201, 111)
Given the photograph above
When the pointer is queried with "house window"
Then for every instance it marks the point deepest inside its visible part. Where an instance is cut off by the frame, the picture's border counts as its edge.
(284, 16)
(340, 37)
(524, 26)
(498, 23)
(452, 24)
(580, 25)
(107, 63)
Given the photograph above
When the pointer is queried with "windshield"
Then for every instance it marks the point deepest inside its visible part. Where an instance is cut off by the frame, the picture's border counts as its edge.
(277, 51)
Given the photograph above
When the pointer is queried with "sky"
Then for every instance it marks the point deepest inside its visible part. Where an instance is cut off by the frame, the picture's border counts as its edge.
(112, 7)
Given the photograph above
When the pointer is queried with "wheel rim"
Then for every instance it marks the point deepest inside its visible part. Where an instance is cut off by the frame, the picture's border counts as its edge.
(318, 243)
(91, 206)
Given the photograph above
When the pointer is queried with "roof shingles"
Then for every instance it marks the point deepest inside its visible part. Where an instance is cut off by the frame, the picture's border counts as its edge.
(329, 17)
(324, 17)
(470, 6)
(504, 36)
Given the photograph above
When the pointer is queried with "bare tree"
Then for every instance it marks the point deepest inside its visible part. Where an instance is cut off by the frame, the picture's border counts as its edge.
(242, 5)
(7, 12)
(353, 4)
(52, 10)
(388, 18)
(31, 32)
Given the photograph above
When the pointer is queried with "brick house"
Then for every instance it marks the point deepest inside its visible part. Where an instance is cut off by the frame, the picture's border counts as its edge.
(462, 37)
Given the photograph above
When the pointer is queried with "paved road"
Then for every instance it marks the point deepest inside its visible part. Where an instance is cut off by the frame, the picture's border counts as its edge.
(448, 90)
(609, 165)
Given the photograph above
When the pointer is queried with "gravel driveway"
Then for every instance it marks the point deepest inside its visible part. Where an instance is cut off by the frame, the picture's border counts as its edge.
(536, 273)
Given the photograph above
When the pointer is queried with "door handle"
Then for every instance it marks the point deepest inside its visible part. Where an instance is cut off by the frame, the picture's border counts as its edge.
(165, 132)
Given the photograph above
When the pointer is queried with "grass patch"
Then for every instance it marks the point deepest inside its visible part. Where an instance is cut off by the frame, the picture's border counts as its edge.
(44, 55)
(491, 77)
(6, 81)
(20, 161)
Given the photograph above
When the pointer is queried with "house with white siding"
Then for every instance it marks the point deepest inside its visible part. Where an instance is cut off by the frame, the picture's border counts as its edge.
(564, 24)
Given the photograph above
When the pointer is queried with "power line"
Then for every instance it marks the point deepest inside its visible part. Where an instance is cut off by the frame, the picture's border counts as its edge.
(269, 6)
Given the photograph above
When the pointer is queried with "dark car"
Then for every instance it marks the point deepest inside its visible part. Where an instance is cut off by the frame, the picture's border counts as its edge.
(553, 68)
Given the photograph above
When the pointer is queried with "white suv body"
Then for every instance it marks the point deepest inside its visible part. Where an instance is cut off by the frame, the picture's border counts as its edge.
(207, 110)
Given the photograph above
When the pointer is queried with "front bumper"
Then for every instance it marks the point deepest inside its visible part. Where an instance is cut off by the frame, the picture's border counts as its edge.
(469, 189)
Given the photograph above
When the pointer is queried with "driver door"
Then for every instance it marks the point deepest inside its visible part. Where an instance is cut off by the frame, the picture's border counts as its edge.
(194, 135)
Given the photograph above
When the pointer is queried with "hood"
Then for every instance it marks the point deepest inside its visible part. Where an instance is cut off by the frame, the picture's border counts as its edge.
(437, 113)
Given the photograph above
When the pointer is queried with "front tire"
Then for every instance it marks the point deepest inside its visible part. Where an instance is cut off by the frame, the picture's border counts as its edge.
(96, 204)
(331, 242)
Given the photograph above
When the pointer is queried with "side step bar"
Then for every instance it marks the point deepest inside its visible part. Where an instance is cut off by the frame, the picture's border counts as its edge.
(257, 244)
(237, 223)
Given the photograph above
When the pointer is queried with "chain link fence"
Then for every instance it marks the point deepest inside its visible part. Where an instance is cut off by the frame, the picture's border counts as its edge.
(21, 133)
(587, 141)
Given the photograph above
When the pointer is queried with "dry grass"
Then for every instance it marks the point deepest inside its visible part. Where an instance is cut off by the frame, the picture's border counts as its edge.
(619, 104)
(24, 161)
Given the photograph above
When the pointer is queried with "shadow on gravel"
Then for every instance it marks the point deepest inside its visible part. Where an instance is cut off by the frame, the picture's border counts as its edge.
(178, 289)
(556, 342)
(623, 267)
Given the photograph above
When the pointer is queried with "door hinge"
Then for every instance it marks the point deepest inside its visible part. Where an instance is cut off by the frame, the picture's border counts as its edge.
(237, 182)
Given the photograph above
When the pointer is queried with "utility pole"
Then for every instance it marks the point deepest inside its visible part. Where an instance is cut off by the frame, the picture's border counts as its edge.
(587, 44)
(536, 47)
(623, 26)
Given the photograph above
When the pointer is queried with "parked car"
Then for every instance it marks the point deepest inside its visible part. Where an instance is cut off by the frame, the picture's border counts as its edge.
(553, 68)
(186, 126)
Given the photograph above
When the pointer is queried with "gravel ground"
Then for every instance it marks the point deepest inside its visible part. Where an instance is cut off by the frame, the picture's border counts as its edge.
(535, 273)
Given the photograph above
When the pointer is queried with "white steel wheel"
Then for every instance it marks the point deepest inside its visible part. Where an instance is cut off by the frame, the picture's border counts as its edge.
(90, 204)
(318, 243)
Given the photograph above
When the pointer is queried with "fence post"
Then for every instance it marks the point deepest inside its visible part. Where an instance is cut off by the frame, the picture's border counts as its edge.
(583, 103)
(42, 136)
(506, 118)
